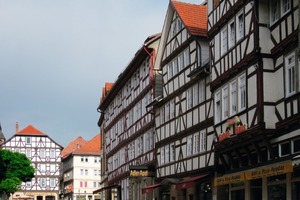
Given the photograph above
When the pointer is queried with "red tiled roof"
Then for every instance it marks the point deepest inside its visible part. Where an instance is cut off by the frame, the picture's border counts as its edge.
(30, 130)
(72, 146)
(193, 16)
(91, 147)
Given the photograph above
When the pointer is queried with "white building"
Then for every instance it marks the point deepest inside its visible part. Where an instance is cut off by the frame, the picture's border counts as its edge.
(44, 154)
(81, 169)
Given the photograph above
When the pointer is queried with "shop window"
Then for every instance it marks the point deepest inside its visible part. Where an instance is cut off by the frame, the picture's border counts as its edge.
(277, 187)
(237, 191)
(256, 189)
(296, 185)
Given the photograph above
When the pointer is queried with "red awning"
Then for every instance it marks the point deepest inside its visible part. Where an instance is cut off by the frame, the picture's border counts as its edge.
(189, 182)
(149, 188)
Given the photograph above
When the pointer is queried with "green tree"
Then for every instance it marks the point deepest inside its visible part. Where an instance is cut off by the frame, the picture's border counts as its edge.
(15, 168)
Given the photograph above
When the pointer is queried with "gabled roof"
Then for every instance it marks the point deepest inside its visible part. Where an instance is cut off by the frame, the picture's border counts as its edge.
(92, 147)
(30, 130)
(72, 146)
(193, 16)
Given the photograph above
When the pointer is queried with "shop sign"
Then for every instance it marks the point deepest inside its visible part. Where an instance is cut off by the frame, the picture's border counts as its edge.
(272, 170)
(229, 179)
(234, 127)
(142, 171)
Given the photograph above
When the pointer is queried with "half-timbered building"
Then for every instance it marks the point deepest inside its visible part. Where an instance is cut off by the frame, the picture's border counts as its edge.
(255, 84)
(129, 127)
(44, 154)
(184, 111)
(104, 190)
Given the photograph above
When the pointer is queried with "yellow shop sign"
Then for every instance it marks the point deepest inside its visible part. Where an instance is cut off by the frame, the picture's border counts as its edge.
(272, 170)
(229, 179)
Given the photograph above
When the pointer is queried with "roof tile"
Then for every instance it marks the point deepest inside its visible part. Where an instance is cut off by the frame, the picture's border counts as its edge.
(193, 16)
(30, 130)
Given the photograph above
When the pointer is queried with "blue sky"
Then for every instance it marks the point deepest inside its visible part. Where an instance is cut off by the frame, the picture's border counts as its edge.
(56, 55)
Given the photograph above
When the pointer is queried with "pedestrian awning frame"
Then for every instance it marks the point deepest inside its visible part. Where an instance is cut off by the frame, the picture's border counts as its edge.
(150, 188)
(189, 182)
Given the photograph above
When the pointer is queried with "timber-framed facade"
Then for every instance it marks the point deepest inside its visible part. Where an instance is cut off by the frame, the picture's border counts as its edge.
(184, 113)
(255, 84)
(128, 126)
(44, 154)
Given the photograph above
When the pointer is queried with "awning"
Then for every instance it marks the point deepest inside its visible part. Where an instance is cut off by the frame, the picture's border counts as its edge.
(189, 182)
(150, 188)
(104, 188)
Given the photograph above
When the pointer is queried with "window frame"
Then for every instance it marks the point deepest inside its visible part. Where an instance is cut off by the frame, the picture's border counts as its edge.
(288, 67)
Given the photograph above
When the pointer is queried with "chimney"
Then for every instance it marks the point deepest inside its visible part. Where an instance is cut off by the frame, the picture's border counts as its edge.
(17, 127)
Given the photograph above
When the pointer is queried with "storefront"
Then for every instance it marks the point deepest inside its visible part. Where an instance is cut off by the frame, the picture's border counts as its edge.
(273, 182)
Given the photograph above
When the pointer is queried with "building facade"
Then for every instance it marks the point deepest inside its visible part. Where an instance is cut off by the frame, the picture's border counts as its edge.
(81, 169)
(255, 85)
(184, 114)
(44, 153)
(129, 127)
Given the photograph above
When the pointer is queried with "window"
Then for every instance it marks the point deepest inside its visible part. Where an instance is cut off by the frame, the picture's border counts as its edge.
(218, 107)
(52, 167)
(52, 153)
(86, 172)
(52, 182)
(286, 6)
(196, 143)
(180, 62)
(43, 168)
(42, 153)
(225, 102)
(28, 140)
(172, 108)
(81, 172)
(170, 70)
(242, 92)
(231, 34)
(172, 152)
(279, 8)
(290, 75)
(240, 27)
(162, 155)
(202, 141)
(189, 98)
(28, 153)
(228, 99)
(167, 154)
(195, 95)
(42, 182)
(233, 98)
(224, 40)
(189, 145)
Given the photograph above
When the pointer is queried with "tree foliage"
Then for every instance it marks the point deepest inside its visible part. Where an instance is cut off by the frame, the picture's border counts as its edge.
(15, 168)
